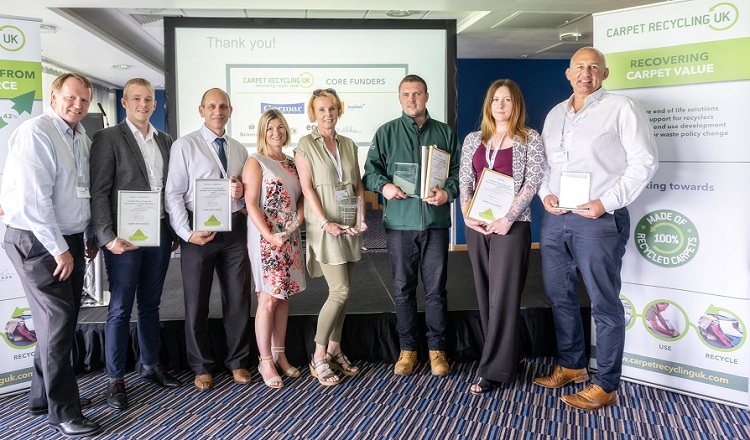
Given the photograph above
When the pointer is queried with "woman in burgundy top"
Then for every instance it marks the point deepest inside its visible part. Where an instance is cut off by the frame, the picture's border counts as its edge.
(499, 249)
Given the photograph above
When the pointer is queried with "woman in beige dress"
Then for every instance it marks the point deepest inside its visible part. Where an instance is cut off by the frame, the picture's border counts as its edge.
(328, 172)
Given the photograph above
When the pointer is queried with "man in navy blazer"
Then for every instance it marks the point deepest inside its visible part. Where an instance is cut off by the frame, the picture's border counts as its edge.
(131, 156)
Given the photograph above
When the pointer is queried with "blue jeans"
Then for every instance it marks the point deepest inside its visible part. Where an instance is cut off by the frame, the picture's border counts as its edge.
(412, 252)
(570, 243)
(135, 274)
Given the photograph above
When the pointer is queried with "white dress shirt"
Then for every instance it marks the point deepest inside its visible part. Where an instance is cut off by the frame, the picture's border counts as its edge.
(610, 138)
(151, 156)
(195, 156)
(47, 161)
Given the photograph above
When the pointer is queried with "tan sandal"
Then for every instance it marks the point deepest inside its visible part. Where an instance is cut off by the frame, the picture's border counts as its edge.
(274, 382)
(342, 364)
(322, 371)
(291, 371)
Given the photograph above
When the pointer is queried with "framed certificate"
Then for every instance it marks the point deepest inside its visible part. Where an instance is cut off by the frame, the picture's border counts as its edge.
(438, 167)
(139, 217)
(212, 206)
(492, 198)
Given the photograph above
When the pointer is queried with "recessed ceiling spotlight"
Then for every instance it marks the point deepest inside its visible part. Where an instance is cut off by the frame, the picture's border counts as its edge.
(149, 10)
(398, 13)
(570, 36)
(47, 29)
(121, 66)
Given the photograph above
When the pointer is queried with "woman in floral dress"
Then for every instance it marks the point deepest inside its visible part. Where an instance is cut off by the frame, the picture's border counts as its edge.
(273, 196)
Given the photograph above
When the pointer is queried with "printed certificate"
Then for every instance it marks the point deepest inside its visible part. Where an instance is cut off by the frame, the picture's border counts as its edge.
(438, 167)
(212, 207)
(492, 198)
(138, 217)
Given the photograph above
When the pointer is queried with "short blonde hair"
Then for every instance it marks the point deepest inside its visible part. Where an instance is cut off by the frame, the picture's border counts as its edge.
(328, 93)
(265, 120)
(137, 82)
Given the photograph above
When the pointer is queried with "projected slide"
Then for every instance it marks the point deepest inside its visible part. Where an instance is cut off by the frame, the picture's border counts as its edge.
(267, 63)
(363, 90)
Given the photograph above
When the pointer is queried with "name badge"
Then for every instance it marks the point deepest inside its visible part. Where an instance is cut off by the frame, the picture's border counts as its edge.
(560, 156)
(341, 194)
(82, 192)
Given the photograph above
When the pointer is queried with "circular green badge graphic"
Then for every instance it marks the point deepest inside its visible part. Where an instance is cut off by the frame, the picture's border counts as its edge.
(11, 38)
(666, 238)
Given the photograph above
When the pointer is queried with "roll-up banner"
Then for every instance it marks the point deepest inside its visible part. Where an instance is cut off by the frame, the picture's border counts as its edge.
(20, 99)
(686, 271)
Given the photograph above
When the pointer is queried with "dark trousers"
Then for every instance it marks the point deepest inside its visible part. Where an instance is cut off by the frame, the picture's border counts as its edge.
(571, 243)
(54, 307)
(227, 255)
(412, 252)
(500, 264)
(135, 274)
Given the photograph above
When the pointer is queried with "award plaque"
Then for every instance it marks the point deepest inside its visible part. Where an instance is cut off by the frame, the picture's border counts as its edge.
(492, 198)
(438, 167)
(212, 206)
(282, 220)
(574, 190)
(138, 217)
(351, 212)
(405, 176)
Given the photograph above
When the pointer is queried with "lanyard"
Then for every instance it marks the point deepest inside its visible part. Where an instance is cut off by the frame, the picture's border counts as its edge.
(216, 156)
(576, 120)
(81, 180)
(491, 160)
(336, 161)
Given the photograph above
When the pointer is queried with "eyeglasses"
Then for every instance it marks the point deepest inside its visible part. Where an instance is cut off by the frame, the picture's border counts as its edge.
(317, 92)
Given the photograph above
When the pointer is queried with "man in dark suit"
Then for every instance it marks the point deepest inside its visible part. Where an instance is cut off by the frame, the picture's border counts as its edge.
(131, 156)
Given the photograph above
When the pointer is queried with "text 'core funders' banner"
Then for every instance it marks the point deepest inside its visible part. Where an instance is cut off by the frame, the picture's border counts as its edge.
(20, 99)
(685, 278)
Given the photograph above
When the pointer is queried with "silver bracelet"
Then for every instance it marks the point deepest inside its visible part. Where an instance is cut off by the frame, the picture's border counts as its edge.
(114, 243)
(322, 225)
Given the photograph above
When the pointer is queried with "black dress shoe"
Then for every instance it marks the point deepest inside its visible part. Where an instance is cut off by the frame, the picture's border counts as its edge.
(76, 427)
(117, 397)
(41, 411)
(158, 374)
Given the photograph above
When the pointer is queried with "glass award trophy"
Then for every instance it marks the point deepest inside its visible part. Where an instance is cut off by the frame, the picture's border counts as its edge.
(351, 212)
(281, 220)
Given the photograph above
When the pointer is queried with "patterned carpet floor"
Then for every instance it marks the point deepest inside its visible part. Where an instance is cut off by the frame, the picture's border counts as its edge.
(378, 405)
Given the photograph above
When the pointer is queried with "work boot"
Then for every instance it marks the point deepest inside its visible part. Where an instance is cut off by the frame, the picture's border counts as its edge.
(407, 360)
(438, 363)
(562, 376)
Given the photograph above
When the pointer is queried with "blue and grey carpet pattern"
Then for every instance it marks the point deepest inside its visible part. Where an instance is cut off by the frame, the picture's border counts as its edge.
(378, 405)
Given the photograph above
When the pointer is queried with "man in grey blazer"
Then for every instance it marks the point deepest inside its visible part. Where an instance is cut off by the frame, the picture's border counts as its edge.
(131, 156)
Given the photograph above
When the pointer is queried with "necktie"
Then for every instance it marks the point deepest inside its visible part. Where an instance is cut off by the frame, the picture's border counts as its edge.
(222, 154)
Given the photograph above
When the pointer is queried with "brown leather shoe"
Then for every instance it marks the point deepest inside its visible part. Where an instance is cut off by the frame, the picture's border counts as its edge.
(204, 381)
(241, 375)
(562, 376)
(438, 363)
(407, 360)
(591, 398)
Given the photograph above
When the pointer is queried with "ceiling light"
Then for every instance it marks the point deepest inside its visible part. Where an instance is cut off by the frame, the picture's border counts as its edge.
(398, 13)
(570, 36)
(47, 29)
(121, 66)
(149, 10)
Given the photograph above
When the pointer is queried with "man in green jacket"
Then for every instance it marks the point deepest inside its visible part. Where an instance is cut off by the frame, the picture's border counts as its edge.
(416, 228)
